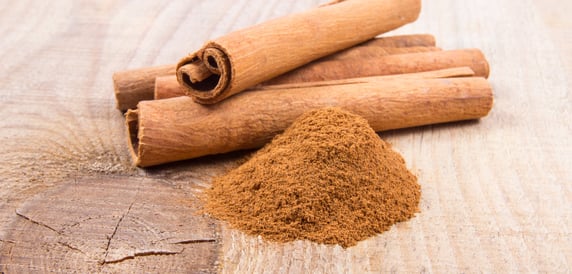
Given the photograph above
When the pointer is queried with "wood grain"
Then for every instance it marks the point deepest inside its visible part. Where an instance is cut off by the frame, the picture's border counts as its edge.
(110, 224)
(496, 195)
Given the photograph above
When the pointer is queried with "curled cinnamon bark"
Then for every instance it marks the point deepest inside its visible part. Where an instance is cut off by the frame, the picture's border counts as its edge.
(386, 65)
(359, 61)
(132, 86)
(247, 57)
(163, 131)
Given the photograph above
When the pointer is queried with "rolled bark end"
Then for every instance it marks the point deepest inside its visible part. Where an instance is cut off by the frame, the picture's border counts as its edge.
(194, 81)
(482, 61)
(195, 72)
(245, 58)
(132, 123)
(205, 75)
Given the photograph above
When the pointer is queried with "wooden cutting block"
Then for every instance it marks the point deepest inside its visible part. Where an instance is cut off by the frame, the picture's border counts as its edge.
(110, 224)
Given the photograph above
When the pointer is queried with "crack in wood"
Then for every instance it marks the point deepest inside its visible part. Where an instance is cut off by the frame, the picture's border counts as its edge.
(124, 235)
(10, 248)
(37, 222)
(110, 238)
(142, 254)
(195, 241)
(72, 247)
(21, 215)
(7, 241)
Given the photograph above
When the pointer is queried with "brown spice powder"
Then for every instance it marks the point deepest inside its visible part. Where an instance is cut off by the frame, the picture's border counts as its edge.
(328, 178)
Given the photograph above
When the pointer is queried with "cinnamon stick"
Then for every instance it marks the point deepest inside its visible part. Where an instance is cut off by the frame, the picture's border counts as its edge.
(354, 62)
(247, 57)
(163, 131)
(132, 86)
(401, 41)
(371, 51)
(434, 74)
(168, 87)
(386, 65)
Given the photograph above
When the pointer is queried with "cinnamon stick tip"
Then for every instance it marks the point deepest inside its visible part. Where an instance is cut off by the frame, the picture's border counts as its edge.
(119, 102)
(491, 102)
(132, 123)
(186, 77)
(483, 62)
(431, 38)
(487, 95)
(487, 67)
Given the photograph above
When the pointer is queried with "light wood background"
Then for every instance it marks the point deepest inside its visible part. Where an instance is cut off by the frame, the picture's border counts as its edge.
(496, 194)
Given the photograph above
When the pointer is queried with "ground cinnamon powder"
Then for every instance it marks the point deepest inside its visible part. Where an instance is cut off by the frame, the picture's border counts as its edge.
(328, 178)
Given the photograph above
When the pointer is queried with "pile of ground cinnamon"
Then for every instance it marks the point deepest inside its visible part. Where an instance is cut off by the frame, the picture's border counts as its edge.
(328, 178)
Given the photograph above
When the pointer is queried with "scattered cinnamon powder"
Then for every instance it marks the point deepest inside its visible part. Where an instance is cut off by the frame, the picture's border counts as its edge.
(328, 178)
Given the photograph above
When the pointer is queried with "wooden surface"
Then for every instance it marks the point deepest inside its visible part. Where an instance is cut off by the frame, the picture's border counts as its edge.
(496, 194)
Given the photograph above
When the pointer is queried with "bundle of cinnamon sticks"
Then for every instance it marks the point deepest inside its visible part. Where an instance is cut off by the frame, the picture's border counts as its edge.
(240, 90)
